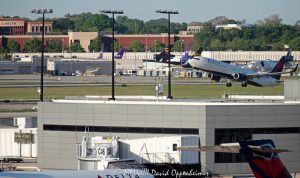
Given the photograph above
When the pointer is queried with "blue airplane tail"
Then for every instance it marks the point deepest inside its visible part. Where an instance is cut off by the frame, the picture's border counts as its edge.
(162, 56)
(120, 54)
(263, 164)
(197, 53)
(185, 57)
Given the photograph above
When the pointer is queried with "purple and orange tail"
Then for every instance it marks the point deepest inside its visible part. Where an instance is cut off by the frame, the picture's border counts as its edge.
(263, 165)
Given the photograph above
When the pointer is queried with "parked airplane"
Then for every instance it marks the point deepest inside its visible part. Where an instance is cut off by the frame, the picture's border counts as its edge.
(267, 65)
(119, 55)
(87, 73)
(182, 60)
(217, 70)
(108, 173)
(262, 156)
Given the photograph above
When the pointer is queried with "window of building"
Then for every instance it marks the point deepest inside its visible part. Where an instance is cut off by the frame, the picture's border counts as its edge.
(231, 136)
(154, 130)
(32, 28)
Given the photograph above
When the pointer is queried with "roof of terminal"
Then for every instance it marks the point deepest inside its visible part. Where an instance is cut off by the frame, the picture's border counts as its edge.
(152, 100)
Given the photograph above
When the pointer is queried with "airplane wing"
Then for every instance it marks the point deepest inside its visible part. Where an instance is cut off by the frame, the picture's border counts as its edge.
(230, 149)
(267, 150)
(269, 74)
(219, 148)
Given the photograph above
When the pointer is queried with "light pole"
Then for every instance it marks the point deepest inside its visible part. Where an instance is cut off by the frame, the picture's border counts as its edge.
(42, 11)
(182, 45)
(62, 45)
(146, 52)
(169, 12)
(49, 46)
(113, 12)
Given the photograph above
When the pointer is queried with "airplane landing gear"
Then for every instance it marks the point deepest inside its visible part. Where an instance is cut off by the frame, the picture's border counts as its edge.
(228, 84)
(244, 84)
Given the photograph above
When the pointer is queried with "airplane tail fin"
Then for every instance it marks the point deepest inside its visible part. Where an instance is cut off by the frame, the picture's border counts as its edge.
(289, 57)
(263, 164)
(101, 52)
(279, 66)
(184, 57)
(197, 53)
(162, 56)
(120, 54)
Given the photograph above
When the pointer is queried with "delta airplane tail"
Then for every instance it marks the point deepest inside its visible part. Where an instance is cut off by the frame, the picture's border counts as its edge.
(264, 164)
(279, 66)
(262, 156)
(120, 54)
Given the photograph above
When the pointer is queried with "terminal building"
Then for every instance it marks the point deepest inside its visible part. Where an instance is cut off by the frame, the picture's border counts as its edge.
(61, 124)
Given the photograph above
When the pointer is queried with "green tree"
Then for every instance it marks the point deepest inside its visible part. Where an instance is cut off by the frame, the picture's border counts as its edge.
(156, 46)
(95, 45)
(63, 25)
(54, 46)
(239, 44)
(4, 54)
(273, 20)
(13, 46)
(178, 46)
(136, 46)
(157, 26)
(33, 45)
(88, 22)
(129, 26)
(117, 46)
(295, 43)
(278, 46)
(76, 48)
(216, 45)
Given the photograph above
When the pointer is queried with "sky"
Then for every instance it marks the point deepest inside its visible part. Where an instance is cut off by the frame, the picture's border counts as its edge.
(189, 10)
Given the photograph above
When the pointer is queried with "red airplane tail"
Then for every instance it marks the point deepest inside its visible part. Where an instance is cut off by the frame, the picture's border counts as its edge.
(263, 164)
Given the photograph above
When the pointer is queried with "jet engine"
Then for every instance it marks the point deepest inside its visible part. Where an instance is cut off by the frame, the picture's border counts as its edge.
(239, 76)
(213, 77)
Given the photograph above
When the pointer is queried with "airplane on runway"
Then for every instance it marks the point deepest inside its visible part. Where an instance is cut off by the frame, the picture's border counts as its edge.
(261, 155)
(267, 65)
(217, 70)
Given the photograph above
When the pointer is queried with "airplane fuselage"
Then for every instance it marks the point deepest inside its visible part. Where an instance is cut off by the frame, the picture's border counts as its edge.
(228, 71)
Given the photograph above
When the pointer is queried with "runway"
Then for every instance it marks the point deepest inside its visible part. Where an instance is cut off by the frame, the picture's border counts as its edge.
(15, 81)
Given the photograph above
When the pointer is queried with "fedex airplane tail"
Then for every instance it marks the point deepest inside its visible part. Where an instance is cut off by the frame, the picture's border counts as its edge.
(263, 164)
(120, 54)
